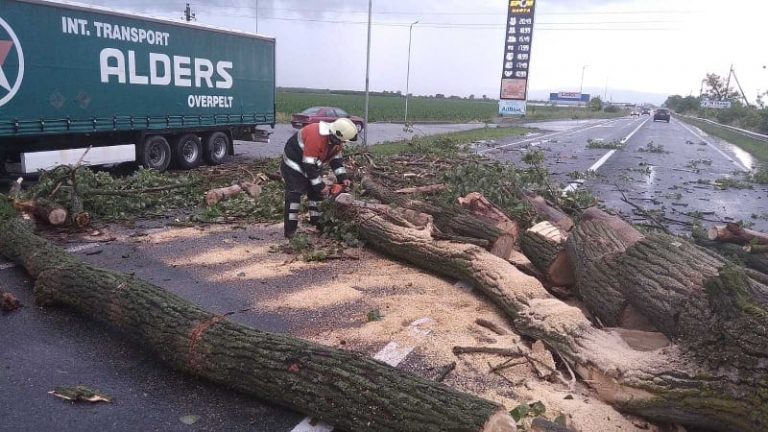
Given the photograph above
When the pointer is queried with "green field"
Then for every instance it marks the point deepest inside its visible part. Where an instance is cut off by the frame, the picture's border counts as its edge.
(392, 108)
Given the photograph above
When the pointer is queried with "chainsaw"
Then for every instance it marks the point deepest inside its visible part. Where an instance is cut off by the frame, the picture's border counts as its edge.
(336, 190)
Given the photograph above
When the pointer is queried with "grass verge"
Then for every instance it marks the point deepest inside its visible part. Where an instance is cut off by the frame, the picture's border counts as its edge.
(449, 142)
(758, 149)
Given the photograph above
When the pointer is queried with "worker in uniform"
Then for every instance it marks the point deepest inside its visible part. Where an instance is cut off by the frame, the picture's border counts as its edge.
(305, 154)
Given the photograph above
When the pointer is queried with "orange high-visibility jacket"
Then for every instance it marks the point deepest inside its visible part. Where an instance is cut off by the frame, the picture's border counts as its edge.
(310, 148)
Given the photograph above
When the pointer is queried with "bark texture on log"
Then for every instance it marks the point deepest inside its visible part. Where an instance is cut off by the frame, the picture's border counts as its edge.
(423, 189)
(593, 248)
(734, 233)
(343, 388)
(45, 210)
(478, 205)
(755, 261)
(214, 196)
(449, 220)
(673, 384)
(547, 212)
(544, 245)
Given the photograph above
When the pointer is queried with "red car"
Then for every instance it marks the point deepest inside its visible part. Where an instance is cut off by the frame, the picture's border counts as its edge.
(324, 114)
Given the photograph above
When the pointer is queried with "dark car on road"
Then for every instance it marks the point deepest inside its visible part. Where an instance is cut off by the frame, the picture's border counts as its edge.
(646, 111)
(661, 114)
(324, 114)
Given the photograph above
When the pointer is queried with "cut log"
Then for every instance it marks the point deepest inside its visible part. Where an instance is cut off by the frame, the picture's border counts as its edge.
(544, 245)
(756, 248)
(547, 212)
(447, 220)
(735, 233)
(755, 261)
(423, 189)
(252, 189)
(82, 219)
(592, 249)
(690, 382)
(44, 210)
(485, 210)
(345, 389)
(214, 196)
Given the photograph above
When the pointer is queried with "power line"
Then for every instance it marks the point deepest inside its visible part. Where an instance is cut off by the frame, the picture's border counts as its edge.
(482, 26)
(502, 12)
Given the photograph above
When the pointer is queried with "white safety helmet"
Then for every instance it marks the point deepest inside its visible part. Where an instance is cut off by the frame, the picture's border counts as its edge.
(344, 130)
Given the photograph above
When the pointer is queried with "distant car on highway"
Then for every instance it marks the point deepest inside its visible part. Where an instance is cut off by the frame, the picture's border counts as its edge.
(634, 114)
(324, 114)
(646, 111)
(661, 114)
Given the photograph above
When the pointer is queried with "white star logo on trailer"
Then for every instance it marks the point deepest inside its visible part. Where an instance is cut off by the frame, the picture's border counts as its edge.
(5, 48)
(9, 85)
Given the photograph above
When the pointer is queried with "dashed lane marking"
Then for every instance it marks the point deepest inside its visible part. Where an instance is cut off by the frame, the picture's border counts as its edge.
(550, 135)
(575, 185)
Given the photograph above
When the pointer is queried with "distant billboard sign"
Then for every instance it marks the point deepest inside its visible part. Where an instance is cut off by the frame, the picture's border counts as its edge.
(569, 98)
(509, 107)
(705, 103)
(517, 55)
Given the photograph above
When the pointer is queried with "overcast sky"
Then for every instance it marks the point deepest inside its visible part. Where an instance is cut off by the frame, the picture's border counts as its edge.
(643, 50)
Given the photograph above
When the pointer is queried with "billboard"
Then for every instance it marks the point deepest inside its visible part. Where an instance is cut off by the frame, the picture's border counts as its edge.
(517, 56)
(569, 98)
(706, 103)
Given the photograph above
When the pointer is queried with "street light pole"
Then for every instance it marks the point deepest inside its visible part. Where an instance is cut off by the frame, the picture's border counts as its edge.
(408, 75)
(581, 87)
(367, 73)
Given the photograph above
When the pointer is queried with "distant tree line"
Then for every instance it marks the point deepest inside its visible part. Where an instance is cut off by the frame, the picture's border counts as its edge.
(715, 88)
(384, 93)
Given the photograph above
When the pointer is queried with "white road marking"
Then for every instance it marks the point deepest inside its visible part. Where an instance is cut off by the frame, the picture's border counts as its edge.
(575, 185)
(722, 153)
(72, 249)
(544, 137)
(631, 134)
(392, 354)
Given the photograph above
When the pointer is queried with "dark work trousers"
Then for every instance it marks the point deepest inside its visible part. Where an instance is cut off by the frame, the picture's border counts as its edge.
(297, 185)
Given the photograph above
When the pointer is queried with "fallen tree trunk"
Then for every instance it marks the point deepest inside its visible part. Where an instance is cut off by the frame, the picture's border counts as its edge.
(546, 211)
(479, 206)
(677, 383)
(45, 210)
(423, 189)
(593, 248)
(735, 233)
(348, 390)
(544, 245)
(448, 220)
(214, 196)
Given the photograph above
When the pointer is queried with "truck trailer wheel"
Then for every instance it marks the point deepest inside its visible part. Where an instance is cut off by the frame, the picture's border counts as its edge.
(156, 153)
(187, 151)
(215, 148)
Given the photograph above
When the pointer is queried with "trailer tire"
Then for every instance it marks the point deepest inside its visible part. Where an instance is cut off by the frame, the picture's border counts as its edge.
(187, 151)
(155, 153)
(215, 148)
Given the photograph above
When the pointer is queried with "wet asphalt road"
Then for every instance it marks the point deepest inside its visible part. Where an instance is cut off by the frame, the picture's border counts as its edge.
(377, 133)
(41, 349)
(44, 348)
(679, 181)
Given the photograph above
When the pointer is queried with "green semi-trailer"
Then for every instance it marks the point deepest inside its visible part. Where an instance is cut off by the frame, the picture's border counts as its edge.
(130, 87)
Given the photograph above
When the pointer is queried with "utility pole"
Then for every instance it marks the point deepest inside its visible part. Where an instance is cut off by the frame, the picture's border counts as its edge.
(581, 86)
(408, 76)
(367, 73)
(188, 14)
